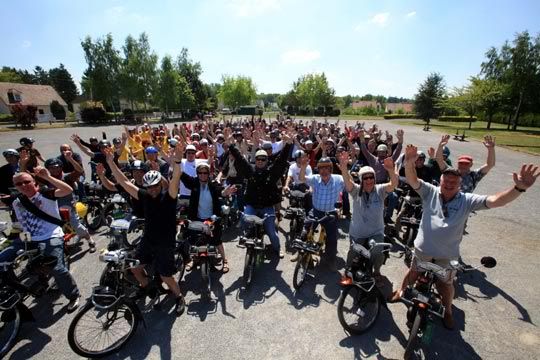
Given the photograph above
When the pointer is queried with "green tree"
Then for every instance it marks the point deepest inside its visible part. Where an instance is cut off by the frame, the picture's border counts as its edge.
(237, 91)
(41, 76)
(466, 99)
(313, 91)
(430, 94)
(146, 70)
(168, 84)
(63, 83)
(128, 78)
(100, 79)
(192, 71)
(212, 91)
(9, 75)
(517, 65)
(186, 99)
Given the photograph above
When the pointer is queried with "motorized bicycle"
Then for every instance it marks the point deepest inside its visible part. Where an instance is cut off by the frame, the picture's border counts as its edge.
(204, 256)
(94, 200)
(26, 276)
(408, 220)
(296, 214)
(231, 213)
(253, 241)
(310, 250)
(360, 301)
(424, 304)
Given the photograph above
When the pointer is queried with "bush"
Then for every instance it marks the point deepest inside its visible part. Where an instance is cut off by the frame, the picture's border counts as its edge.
(58, 110)
(457, 118)
(369, 111)
(400, 116)
(6, 117)
(528, 119)
(93, 112)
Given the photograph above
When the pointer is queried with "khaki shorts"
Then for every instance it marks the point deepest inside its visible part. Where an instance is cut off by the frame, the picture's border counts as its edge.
(444, 263)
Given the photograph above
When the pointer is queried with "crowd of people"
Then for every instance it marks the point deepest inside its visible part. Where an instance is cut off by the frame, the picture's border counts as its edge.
(257, 160)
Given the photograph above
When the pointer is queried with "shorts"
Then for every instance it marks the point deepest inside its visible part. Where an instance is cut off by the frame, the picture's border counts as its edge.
(442, 262)
(160, 257)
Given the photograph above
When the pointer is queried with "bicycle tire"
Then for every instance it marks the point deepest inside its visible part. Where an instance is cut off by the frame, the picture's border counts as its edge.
(11, 338)
(76, 346)
(249, 265)
(413, 337)
(300, 270)
(356, 330)
(207, 281)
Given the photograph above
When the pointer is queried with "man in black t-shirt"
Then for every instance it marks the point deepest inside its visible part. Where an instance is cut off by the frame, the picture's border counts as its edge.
(158, 243)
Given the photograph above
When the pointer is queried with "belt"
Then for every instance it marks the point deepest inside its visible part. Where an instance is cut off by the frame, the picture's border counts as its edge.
(332, 212)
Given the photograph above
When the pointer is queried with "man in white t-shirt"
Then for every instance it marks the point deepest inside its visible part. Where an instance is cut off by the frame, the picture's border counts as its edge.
(189, 167)
(45, 235)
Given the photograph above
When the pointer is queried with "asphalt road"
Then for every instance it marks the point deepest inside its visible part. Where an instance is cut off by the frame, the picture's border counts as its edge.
(497, 310)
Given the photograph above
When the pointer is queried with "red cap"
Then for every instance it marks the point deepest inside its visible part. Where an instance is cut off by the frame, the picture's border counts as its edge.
(466, 159)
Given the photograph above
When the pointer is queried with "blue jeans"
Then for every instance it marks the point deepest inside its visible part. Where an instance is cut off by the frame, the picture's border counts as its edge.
(51, 247)
(269, 224)
(392, 205)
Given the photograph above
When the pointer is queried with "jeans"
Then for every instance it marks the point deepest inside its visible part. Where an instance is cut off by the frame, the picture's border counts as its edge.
(393, 200)
(269, 224)
(51, 247)
(346, 203)
(330, 226)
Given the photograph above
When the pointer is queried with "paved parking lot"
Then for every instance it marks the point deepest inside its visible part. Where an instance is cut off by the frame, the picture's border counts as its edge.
(497, 310)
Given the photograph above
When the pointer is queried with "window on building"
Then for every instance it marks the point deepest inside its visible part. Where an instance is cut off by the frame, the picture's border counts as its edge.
(14, 97)
(41, 111)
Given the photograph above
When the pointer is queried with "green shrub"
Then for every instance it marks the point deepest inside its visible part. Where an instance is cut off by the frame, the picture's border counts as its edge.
(528, 119)
(6, 117)
(93, 115)
(457, 118)
(369, 111)
(400, 116)
(57, 110)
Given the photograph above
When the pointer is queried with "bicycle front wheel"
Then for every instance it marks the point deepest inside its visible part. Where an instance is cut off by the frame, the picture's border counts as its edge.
(357, 310)
(249, 266)
(96, 333)
(94, 216)
(10, 324)
(300, 270)
(413, 337)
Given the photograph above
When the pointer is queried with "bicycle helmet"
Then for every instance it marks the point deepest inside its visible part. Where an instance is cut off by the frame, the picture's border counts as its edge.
(105, 143)
(446, 151)
(151, 178)
(151, 150)
(298, 154)
(421, 154)
(138, 165)
(366, 170)
(324, 161)
(81, 209)
(117, 140)
(26, 141)
(93, 139)
(202, 165)
(53, 162)
(10, 152)
(382, 147)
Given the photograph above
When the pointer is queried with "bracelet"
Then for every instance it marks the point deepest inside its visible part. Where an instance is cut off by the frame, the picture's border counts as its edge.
(519, 190)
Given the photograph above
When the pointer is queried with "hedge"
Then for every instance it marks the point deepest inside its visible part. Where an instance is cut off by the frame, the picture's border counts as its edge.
(6, 117)
(528, 119)
(457, 118)
(400, 116)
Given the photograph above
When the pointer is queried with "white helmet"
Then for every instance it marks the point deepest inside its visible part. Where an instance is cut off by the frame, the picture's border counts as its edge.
(202, 165)
(366, 170)
(151, 178)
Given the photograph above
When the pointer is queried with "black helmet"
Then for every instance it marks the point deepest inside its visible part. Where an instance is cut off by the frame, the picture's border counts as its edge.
(138, 165)
(26, 141)
(93, 138)
(106, 143)
(117, 140)
(298, 154)
(53, 162)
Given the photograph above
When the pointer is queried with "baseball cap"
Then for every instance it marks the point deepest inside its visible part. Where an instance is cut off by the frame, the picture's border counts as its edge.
(151, 150)
(261, 153)
(465, 159)
(267, 145)
(191, 147)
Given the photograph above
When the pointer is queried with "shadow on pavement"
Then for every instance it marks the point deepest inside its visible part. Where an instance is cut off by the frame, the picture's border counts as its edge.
(478, 279)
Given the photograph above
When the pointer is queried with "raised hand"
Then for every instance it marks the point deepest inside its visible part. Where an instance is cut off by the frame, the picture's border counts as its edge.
(75, 138)
(444, 140)
(388, 164)
(229, 190)
(431, 153)
(489, 141)
(411, 153)
(343, 159)
(109, 154)
(526, 177)
(41, 172)
(400, 134)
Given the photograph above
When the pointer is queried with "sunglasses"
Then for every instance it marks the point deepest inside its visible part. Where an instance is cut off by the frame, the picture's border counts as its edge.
(202, 173)
(21, 183)
(261, 159)
(368, 178)
(190, 152)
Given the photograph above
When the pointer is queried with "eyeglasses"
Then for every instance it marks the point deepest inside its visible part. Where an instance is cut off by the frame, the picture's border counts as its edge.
(368, 178)
(21, 183)
(190, 152)
(260, 159)
(202, 173)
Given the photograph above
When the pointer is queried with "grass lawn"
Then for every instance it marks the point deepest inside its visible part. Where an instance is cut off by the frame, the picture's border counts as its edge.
(525, 139)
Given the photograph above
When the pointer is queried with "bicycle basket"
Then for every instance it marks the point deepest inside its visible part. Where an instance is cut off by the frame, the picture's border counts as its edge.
(104, 297)
(8, 298)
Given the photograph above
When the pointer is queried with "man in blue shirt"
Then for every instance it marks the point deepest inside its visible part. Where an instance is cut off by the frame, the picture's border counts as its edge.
(326, 189)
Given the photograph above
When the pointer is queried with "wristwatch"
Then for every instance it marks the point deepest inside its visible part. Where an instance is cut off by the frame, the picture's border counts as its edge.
(519, 190)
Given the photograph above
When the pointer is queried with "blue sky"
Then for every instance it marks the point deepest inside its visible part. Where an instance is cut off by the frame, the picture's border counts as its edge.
(380, 47)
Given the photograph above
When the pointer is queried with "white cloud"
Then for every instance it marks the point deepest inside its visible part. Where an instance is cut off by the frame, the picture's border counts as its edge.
(411, 14)
(26, 44)
(299, 56)
(246, 8)
(119, 14)
(380, 19)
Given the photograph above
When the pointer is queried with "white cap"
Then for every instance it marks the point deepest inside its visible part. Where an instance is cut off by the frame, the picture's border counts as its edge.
(308, 142)
(191, 147)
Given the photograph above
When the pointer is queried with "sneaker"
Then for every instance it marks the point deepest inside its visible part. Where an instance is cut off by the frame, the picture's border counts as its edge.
(92, 245)
(448, 321)
(73, 304)
(180, 306)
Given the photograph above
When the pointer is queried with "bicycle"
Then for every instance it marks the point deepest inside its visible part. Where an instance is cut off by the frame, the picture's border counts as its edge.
(253, 241)
(360, 299)
(296, 214)
(424, 304)
(310, 250)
